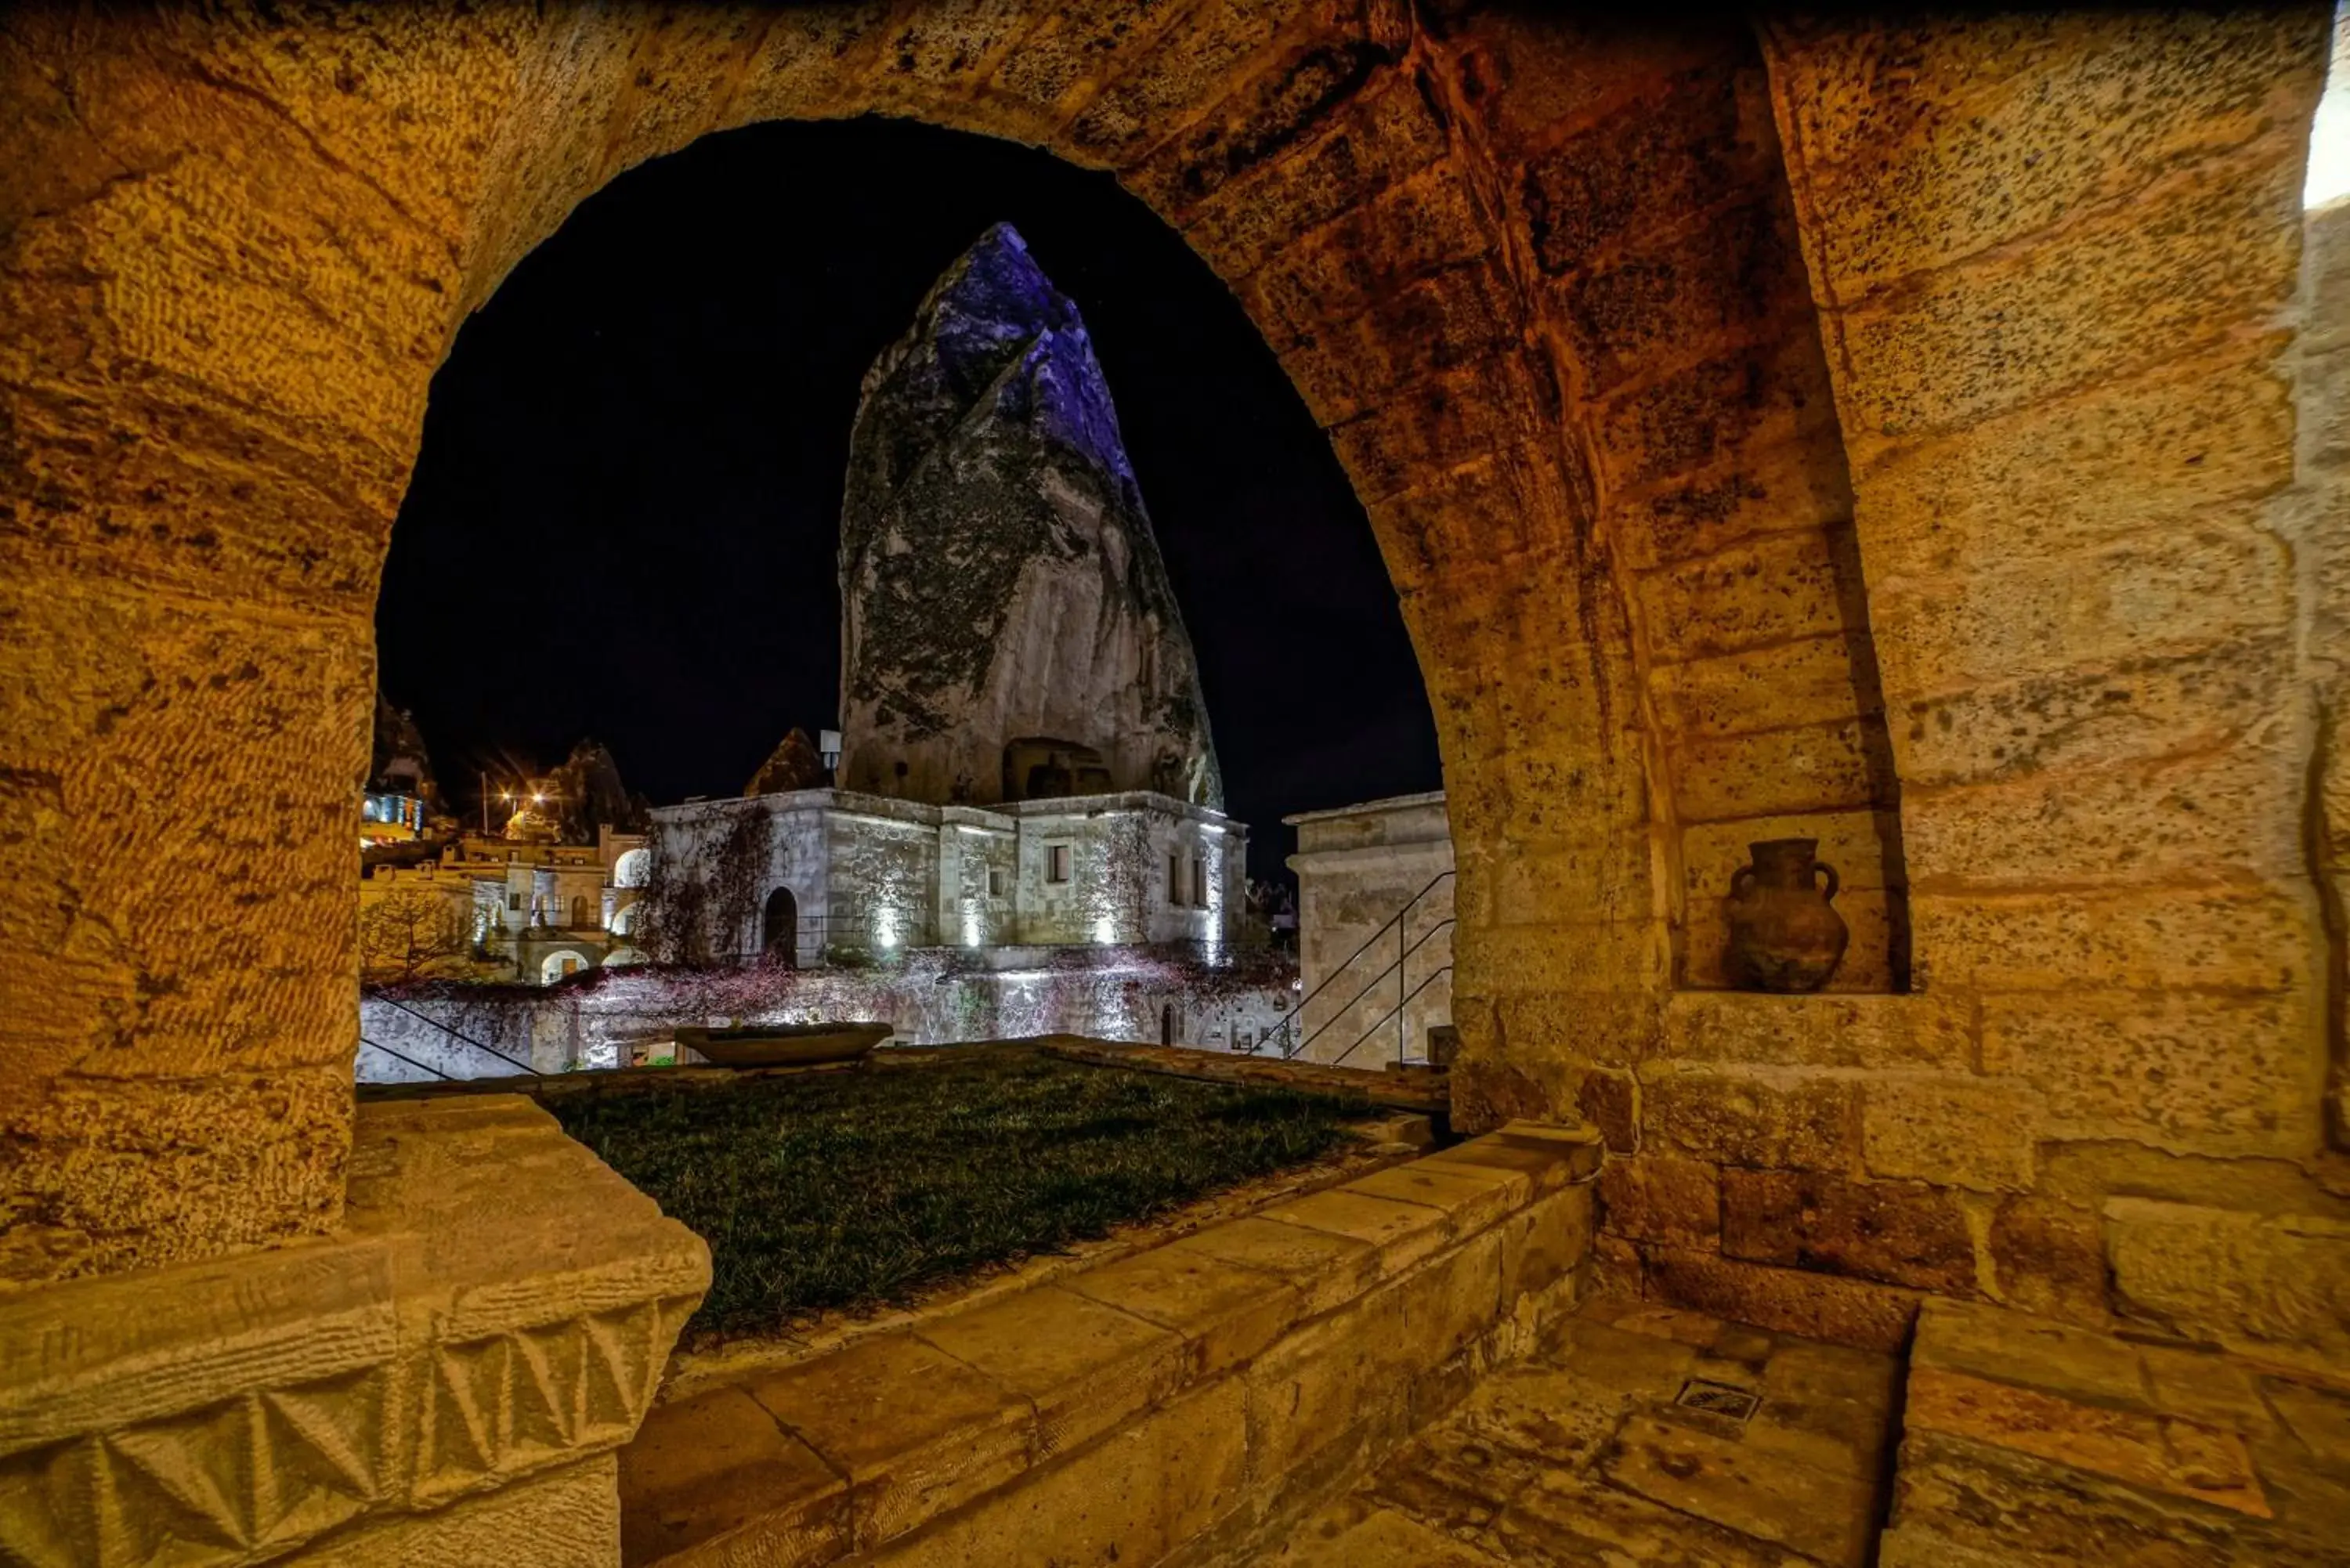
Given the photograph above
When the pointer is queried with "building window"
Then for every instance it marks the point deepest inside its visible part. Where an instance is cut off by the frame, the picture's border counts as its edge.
(513, 902)
(995, 881)
(1175, 880)
(1056, 863)
(1200, 880)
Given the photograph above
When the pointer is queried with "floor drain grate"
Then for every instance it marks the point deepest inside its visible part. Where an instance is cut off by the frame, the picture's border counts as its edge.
(1720, 1398)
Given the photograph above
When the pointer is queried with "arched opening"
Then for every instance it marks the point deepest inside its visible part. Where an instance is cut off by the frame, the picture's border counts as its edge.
(1570, 368)
(779, 929)
(622, 378)
(633, 868)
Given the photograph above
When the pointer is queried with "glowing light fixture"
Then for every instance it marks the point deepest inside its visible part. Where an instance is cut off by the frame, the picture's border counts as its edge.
(2328, 179)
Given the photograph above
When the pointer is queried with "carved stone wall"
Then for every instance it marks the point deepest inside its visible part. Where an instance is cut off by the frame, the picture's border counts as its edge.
(494, 1319)
(1535, 276)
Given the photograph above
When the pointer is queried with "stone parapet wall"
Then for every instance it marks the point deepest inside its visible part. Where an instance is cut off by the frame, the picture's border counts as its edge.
(455, 1369)
(938, 999)
(1171, 1407)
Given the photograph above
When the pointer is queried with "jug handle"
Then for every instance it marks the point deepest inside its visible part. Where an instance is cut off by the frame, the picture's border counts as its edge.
(1828, 897)
(1740, 881)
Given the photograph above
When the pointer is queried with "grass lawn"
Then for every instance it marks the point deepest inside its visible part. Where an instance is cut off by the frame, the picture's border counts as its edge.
(858, 1189)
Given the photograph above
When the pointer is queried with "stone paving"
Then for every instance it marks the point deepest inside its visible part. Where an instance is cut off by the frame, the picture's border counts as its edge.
(2023, 1443)
(1638, 1434)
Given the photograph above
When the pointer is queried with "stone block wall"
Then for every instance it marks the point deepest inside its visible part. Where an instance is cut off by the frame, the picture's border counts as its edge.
(1537, 275)
(2322, 398)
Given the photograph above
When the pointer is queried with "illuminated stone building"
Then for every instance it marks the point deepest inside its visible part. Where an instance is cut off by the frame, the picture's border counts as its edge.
(829, 872)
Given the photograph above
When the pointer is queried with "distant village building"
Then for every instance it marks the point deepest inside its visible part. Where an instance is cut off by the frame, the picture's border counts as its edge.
(548, 895)
(1375, 886)
(402, 801)
(390, 817)
(531, 912)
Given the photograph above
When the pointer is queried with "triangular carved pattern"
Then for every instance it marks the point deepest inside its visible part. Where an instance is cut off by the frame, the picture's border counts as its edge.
(625, 1353)
(48, 1504)
(221, 1484)
(322, 1449)
(181, 1490)
(468, 1417)
(548, 1370)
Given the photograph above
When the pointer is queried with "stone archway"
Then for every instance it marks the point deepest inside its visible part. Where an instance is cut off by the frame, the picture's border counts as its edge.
(1552, 291)
(779, 929)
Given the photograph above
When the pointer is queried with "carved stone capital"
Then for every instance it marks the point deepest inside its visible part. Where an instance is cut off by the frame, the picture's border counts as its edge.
(498, 1307)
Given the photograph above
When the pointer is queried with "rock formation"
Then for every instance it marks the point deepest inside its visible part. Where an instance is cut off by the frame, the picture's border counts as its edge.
(1000, 581)
(794, 764)
(583, 794)
(399, 760)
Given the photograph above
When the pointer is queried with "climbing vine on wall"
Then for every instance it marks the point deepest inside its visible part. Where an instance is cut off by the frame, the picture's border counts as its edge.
(700, 903)
(1121, 899)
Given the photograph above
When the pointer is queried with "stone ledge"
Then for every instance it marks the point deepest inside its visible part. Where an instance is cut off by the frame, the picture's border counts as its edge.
(467, 1331)
(1828, 1029)
(1422, 1092)
(1360, 1293)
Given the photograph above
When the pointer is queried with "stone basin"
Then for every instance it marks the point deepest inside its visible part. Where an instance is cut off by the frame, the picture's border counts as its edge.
(785, 1045)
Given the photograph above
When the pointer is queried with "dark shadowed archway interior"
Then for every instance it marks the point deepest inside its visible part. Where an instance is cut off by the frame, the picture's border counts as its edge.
(624, 517)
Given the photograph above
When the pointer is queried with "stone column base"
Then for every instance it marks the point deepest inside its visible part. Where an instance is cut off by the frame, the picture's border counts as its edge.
(444, 1382)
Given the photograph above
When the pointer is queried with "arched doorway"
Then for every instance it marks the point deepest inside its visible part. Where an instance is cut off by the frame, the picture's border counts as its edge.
(779, 929)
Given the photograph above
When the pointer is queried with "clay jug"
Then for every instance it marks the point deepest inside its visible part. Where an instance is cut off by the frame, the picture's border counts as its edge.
(1783, 934)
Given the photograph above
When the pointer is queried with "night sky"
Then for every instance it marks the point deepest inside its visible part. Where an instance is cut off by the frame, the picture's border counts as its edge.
(623, 521)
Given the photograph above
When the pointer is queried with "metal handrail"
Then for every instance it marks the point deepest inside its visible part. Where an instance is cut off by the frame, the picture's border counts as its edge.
(411, 1061)
(1402, 958)
(1397, 1012)
(1288, 1019)
(459, 1035)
